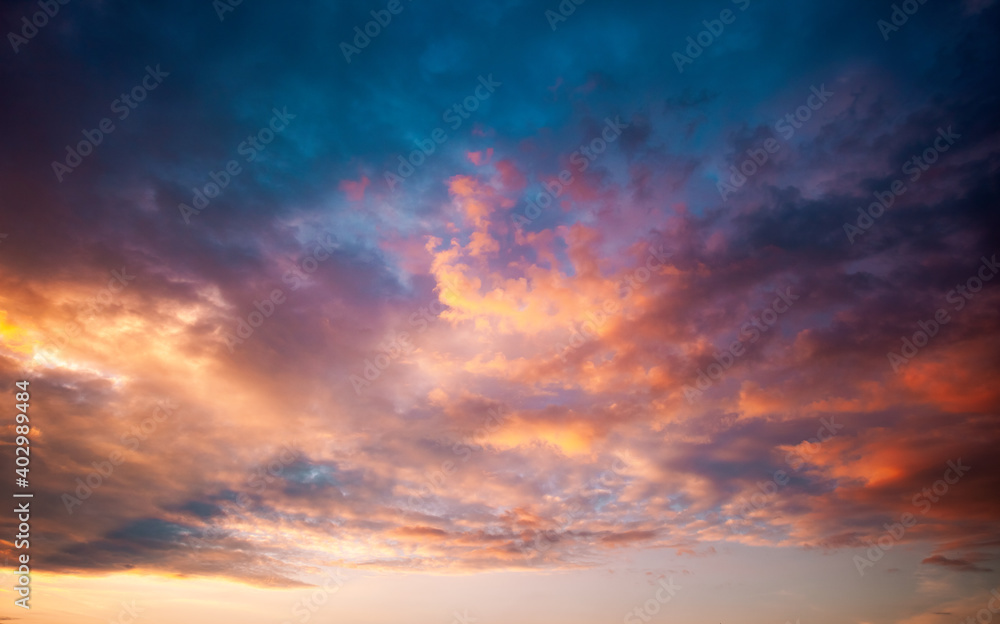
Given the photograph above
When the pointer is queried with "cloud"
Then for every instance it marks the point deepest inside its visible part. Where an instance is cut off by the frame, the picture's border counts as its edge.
(954, 564)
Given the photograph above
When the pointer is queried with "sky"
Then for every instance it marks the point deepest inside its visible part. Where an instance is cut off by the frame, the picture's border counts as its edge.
(500, 311)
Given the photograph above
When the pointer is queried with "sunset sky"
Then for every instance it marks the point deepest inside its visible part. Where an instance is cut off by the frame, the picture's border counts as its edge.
(502, 312)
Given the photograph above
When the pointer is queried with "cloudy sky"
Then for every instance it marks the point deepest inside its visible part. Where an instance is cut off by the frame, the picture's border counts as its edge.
(502, 311)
